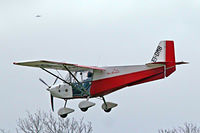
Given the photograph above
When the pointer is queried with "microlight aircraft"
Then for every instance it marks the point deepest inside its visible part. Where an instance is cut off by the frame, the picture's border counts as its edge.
(93, 82)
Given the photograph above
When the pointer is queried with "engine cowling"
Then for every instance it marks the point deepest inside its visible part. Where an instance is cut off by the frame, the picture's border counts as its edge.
(61, 91)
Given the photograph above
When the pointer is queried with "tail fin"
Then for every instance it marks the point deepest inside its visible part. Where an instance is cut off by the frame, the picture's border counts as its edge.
(165, 54)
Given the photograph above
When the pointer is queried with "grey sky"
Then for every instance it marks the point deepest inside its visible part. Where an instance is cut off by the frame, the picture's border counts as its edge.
(101, 32)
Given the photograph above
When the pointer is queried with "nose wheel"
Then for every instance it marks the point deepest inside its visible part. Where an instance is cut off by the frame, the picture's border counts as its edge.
(63, 112)
(63, 116)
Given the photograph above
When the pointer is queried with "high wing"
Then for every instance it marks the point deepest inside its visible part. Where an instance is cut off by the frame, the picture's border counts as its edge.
(58, 65)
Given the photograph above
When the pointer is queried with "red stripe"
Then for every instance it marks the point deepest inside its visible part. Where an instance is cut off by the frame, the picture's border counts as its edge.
(108, 85)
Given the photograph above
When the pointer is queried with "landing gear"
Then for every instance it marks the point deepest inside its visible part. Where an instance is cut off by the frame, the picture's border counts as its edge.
(107, 106)
(84, 105)
(63, 112)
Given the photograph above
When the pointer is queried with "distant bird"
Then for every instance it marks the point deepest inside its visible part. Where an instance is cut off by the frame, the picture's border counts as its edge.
(38, 16)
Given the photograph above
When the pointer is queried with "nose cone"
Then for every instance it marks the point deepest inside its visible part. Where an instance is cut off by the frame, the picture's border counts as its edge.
(53, 90)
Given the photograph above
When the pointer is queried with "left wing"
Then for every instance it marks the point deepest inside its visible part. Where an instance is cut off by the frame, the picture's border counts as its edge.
(57, 65)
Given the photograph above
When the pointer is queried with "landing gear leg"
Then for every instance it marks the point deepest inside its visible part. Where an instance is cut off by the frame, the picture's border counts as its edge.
(65, 103)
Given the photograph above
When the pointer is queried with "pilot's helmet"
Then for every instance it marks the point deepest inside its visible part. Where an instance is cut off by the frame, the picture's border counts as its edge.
(89, 74)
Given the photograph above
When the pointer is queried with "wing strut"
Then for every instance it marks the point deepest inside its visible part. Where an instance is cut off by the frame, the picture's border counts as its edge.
(71, 74)
(55, 75)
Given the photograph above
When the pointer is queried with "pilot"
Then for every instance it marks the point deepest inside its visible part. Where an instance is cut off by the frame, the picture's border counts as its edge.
(89, 75)
(87, 82)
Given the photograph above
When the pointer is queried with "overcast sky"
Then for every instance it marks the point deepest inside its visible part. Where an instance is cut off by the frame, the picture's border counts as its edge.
(103, 33)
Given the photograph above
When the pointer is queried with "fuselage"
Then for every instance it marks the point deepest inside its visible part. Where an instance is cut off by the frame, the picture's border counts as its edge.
(110, 80)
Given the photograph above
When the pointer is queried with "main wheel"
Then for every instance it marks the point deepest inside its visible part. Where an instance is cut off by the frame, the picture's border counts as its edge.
(107, 110)
(63, 116)
(84, 109)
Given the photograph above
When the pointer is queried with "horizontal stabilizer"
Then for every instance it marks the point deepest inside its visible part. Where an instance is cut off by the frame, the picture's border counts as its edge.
(181, 63)
(163, 63)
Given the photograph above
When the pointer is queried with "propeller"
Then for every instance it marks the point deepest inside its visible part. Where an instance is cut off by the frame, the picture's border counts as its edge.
(52, 107)
(51, 96)
(44, 83)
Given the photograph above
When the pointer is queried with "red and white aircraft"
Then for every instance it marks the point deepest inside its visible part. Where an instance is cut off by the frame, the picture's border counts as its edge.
(90, 82)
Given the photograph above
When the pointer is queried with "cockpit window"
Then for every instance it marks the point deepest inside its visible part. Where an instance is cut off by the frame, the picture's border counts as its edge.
(85, 79)
(89, 74)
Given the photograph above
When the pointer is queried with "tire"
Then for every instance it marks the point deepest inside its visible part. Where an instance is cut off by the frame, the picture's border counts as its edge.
(107, 110)
(84, 109)
(63, 116)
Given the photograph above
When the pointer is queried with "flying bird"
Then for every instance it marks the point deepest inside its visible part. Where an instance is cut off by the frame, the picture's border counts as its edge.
(38, 16)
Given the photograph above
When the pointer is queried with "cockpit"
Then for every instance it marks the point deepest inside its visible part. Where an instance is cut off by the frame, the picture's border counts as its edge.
(84, 84)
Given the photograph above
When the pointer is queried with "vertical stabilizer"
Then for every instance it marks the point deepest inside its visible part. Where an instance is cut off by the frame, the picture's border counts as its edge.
(165, 54)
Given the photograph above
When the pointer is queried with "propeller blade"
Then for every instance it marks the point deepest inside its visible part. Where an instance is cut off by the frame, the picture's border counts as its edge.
(55, 81)
(52, 107)
(44, 83)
